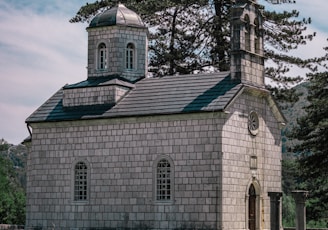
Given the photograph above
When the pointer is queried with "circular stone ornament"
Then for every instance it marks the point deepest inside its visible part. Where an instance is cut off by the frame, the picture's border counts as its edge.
(253, 123)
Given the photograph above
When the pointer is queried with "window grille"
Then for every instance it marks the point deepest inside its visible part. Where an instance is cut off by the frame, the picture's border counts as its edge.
(129, 56)
(102, 52)
(163, 181)
(81, 182)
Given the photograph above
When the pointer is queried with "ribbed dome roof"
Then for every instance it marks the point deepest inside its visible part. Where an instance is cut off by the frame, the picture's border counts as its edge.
(119, 15)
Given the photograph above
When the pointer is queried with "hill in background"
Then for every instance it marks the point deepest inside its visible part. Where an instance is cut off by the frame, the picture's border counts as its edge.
(292, 113)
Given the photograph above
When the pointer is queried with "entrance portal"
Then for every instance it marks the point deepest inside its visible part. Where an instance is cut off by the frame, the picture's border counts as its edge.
(251, 208)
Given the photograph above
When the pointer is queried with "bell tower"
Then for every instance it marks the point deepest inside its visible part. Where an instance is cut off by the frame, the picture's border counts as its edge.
(247, 50)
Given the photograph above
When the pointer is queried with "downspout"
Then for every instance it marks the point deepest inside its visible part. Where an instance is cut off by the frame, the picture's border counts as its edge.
(29, 130)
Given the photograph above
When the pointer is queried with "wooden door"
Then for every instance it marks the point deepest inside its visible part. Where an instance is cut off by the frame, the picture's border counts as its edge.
(251, 208)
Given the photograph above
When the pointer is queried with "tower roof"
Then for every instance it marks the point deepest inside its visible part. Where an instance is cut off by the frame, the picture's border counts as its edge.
(118, 15)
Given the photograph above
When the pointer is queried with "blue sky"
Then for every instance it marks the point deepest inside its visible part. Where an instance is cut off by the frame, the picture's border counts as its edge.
(40, 51)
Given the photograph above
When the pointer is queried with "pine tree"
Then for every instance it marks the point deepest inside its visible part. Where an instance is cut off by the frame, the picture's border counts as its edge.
(220, 31)
(189, 36)
(178, 46)
(312, 131)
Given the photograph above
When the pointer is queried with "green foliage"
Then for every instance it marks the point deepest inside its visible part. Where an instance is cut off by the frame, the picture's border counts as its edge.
(288, 211)
(312, 132)
(12, 195)
(4, 146)
(317, 224)
(292, 178)
(290, 174)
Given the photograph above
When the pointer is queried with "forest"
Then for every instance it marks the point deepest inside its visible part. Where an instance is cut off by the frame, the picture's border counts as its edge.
(12, 183)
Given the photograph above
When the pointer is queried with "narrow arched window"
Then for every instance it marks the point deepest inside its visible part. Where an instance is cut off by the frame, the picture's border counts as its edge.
(252, 208)
(247, 33)
(102, 56)
(163, 180)
(80, 181)
(257, 36)
(129, 55)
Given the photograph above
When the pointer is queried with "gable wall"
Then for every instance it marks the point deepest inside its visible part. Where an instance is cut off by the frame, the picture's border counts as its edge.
(121, 155)
(237, 148)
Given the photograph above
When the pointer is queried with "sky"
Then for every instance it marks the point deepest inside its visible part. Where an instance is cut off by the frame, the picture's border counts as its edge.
(40, 52)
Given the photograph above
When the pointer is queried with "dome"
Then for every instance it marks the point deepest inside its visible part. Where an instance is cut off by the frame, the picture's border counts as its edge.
(119, 15)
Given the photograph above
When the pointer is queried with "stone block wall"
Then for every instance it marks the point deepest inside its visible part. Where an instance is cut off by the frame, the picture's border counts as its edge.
(210, 155)
(121, 155)
(238, 147)
(249, 68)
(99, 95)
(116, 39)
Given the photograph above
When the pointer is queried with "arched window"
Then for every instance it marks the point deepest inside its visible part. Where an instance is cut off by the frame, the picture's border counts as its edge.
(80, 181)
(257, 36)
(129, 55)
(102, 56)
(247, 33)
(163, 180)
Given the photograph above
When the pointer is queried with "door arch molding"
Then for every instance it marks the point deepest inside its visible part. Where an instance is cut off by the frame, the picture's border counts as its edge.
(253, 205)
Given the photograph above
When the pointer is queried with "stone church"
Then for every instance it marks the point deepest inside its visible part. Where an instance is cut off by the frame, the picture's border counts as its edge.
(120, 150)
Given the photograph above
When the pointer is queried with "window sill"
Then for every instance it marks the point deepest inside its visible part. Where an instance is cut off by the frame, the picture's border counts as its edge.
(78, 202)
(102, 70)
(160, 202)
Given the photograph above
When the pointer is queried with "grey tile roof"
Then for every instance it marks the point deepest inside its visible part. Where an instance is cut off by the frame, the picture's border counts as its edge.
(151, 96)
(101, 81)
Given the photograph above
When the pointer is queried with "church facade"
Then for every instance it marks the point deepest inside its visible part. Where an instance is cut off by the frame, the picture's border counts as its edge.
(123, 151)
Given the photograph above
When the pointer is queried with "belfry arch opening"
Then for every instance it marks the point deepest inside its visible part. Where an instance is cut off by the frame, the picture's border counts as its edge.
(247, 33)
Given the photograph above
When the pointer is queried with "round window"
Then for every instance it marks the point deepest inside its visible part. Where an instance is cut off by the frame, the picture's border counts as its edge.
(253, 123)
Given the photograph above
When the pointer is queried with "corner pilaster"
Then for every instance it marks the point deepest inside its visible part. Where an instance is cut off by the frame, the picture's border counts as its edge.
(275, 210)
(300, 197)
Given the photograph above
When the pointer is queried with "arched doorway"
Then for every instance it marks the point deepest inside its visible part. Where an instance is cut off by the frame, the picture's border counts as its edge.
(251, 208)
